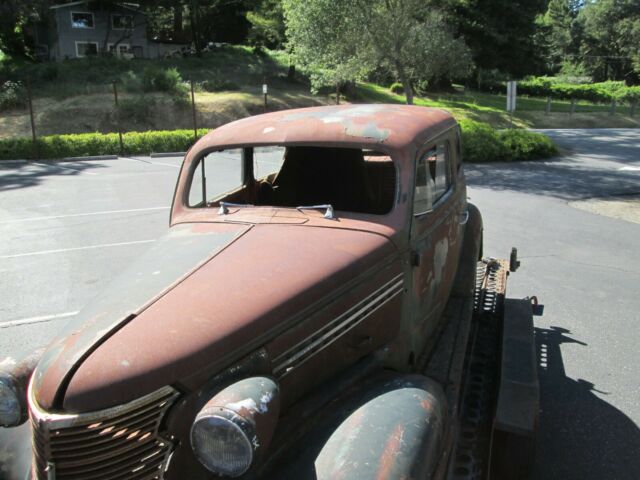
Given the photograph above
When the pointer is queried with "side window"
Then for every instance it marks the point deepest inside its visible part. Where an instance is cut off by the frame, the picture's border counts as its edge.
(267, 160)
(216, 174)
(433, 177)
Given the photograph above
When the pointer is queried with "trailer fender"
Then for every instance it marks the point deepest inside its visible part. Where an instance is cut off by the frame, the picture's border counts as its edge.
(395, 429)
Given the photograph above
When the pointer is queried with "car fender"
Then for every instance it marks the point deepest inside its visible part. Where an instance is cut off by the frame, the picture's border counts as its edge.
(390, 426)
(397, 432)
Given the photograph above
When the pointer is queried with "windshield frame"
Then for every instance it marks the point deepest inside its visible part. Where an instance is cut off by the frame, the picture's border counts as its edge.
(248, 176)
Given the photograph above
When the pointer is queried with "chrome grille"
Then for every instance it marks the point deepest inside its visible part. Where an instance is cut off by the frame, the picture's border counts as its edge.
(122, 442)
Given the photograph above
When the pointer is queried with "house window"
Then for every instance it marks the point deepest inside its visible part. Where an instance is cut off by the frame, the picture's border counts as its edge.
(84, 49)
(121, 22)
(122, 48)
(82, 20)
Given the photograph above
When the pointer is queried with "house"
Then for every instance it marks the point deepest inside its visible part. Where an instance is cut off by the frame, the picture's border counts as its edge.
(82, 28)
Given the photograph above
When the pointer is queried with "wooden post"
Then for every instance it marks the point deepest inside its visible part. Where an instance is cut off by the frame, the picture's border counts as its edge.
(33, 122)
(115, 96)
(193, 110)
(264, 92)
(573, 106)
(612, 110)
(547, 109)
(337, 93)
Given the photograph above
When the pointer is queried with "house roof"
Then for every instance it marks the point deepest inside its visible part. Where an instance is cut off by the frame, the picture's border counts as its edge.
(130, 6)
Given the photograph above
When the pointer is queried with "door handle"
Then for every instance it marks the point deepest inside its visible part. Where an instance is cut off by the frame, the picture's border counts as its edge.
(464, 217)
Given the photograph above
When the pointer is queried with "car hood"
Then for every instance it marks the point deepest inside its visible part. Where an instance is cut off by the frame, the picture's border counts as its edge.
(202, 297)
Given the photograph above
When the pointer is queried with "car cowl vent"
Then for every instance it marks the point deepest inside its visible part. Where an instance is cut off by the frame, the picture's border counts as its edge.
(122, 442)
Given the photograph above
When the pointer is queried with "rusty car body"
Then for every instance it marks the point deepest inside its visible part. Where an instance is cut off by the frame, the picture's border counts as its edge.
(307, 315)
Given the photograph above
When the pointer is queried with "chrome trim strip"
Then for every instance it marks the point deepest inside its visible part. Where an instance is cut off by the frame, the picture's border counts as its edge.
(62, 420)
(333, 330)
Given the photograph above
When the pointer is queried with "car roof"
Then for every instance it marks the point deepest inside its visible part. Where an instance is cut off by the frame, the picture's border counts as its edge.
(366, 125)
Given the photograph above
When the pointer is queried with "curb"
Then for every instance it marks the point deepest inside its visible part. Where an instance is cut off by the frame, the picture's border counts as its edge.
(168, 154)
(90, 157)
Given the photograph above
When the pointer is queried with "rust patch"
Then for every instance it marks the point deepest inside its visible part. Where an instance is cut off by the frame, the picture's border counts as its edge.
(390, 453)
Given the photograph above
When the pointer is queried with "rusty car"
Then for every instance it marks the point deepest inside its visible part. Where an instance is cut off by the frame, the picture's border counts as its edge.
(319, 308)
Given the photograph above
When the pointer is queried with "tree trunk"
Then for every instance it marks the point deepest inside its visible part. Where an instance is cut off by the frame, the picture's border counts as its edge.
(177, 20)
(408, 91)
(195, 27)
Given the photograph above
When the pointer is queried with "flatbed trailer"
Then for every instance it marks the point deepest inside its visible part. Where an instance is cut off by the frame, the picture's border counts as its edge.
(498, 406)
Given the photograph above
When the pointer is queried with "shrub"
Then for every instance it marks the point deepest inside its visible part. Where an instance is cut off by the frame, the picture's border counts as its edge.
(526, 145)
(218, 85)
(136, 109)
(49, 72)
(12, 94)
(131, 82)
(162, 80)
(603, 92)
(482, 143)
(630, 95)
(89, 144)
(397, 88)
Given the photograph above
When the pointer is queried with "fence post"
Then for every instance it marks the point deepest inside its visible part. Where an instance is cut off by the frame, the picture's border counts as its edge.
(573, 106)
(115, 97)
(547, 109)
(32, 119)
(337, 93)
(612, 111)
(193, 110)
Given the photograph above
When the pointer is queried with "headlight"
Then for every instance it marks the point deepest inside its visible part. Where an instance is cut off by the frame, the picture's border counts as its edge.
(235, 426)
(221, 441)
(10, 407)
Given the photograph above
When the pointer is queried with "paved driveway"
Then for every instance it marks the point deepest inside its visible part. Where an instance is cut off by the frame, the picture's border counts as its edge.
(68, 228)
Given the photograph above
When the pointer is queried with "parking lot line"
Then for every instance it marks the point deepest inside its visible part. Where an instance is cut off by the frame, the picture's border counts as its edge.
(73, 249)
(133, 159)
(40, 319)
(54, 165)
(70, 215)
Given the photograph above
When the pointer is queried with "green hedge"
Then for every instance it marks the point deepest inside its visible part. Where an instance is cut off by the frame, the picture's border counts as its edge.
(482, 143)
(90, 144)
(603, 92)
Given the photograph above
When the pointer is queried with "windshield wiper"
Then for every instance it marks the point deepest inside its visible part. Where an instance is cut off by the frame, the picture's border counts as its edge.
(224, 207)
(328, 214)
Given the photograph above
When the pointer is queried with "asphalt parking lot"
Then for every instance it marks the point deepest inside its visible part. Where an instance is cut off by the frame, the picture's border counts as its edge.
(70, 227)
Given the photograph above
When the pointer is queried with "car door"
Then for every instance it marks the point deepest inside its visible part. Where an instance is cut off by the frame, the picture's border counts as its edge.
(438, 215)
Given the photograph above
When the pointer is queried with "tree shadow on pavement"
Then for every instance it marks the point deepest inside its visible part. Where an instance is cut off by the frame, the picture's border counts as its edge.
(568, 180)
(595, 163)
(581, 436)
(23, 174)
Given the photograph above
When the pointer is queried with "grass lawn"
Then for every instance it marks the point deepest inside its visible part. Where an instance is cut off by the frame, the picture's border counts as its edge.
(76, 96)
(530, 112)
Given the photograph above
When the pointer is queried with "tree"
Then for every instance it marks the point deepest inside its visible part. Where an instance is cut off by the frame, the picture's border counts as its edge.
(346, 39)
(609, 48)
(267, 24)
(501, 34)
(16, 17)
